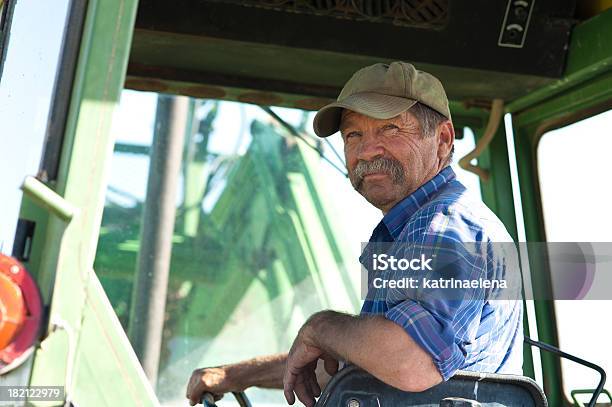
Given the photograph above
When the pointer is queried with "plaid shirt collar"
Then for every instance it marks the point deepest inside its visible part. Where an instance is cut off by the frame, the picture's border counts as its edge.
(400, 214)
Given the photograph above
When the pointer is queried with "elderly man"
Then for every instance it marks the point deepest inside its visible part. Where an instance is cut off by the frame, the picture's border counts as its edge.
(398, 143)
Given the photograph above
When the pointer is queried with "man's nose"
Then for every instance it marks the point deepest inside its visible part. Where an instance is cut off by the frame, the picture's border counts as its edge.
(370, 148)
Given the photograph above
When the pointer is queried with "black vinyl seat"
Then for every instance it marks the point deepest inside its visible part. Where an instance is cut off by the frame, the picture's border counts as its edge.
(353, 387)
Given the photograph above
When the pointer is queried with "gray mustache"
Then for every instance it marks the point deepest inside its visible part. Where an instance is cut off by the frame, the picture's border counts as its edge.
(380, 165)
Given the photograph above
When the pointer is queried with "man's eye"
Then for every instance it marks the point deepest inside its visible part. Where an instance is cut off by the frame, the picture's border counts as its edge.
(352, 134)
(389, 127)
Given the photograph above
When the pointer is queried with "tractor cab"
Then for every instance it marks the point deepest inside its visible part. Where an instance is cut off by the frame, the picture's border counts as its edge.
(167, 206)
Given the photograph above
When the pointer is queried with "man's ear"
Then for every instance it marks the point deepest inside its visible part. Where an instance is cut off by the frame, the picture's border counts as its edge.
(446, 139)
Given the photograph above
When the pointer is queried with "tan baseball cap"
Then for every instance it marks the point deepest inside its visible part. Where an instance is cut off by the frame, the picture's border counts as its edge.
(383, 91)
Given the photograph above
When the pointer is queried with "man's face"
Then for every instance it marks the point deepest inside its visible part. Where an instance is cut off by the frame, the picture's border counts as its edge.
(387, 159)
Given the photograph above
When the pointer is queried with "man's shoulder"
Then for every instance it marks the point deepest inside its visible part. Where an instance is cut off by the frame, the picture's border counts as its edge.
(453, 209)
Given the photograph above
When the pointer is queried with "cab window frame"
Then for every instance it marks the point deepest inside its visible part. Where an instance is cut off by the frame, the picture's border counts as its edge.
(545, 126)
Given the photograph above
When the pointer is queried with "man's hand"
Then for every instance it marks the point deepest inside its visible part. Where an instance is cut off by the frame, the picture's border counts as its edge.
(208, 380)
(300, 373)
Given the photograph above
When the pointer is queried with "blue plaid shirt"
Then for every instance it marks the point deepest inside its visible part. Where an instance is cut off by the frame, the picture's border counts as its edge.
(476, 335)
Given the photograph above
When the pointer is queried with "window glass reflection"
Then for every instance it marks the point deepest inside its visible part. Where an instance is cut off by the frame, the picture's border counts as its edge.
(268, 231)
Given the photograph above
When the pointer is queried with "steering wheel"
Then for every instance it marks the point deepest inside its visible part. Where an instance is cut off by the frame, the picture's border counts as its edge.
(209, 401)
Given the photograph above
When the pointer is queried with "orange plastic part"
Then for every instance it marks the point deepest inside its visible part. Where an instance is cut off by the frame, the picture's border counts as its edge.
(21, 312)
(12, 310)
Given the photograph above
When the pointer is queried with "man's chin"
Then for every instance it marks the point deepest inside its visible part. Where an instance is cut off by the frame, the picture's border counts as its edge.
(381, 201)
(383, 195)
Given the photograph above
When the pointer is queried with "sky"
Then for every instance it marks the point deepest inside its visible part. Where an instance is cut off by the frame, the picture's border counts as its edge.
(25, 91)
(573, 165)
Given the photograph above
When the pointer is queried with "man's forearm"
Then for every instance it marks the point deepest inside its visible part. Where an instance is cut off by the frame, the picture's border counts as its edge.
(377, 345)
(264, 371)
(354, 339)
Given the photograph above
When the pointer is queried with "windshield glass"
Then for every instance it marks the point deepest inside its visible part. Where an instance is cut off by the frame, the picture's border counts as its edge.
(267, 231)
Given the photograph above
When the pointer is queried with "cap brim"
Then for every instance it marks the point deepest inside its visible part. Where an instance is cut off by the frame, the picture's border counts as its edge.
(327, 120)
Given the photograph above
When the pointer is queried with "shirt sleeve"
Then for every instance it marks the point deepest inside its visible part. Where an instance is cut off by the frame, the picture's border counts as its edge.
(433, 332)
(442, 321)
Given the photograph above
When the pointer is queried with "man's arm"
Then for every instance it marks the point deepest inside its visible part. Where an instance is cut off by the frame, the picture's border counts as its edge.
(266, 372)
(375, 344)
